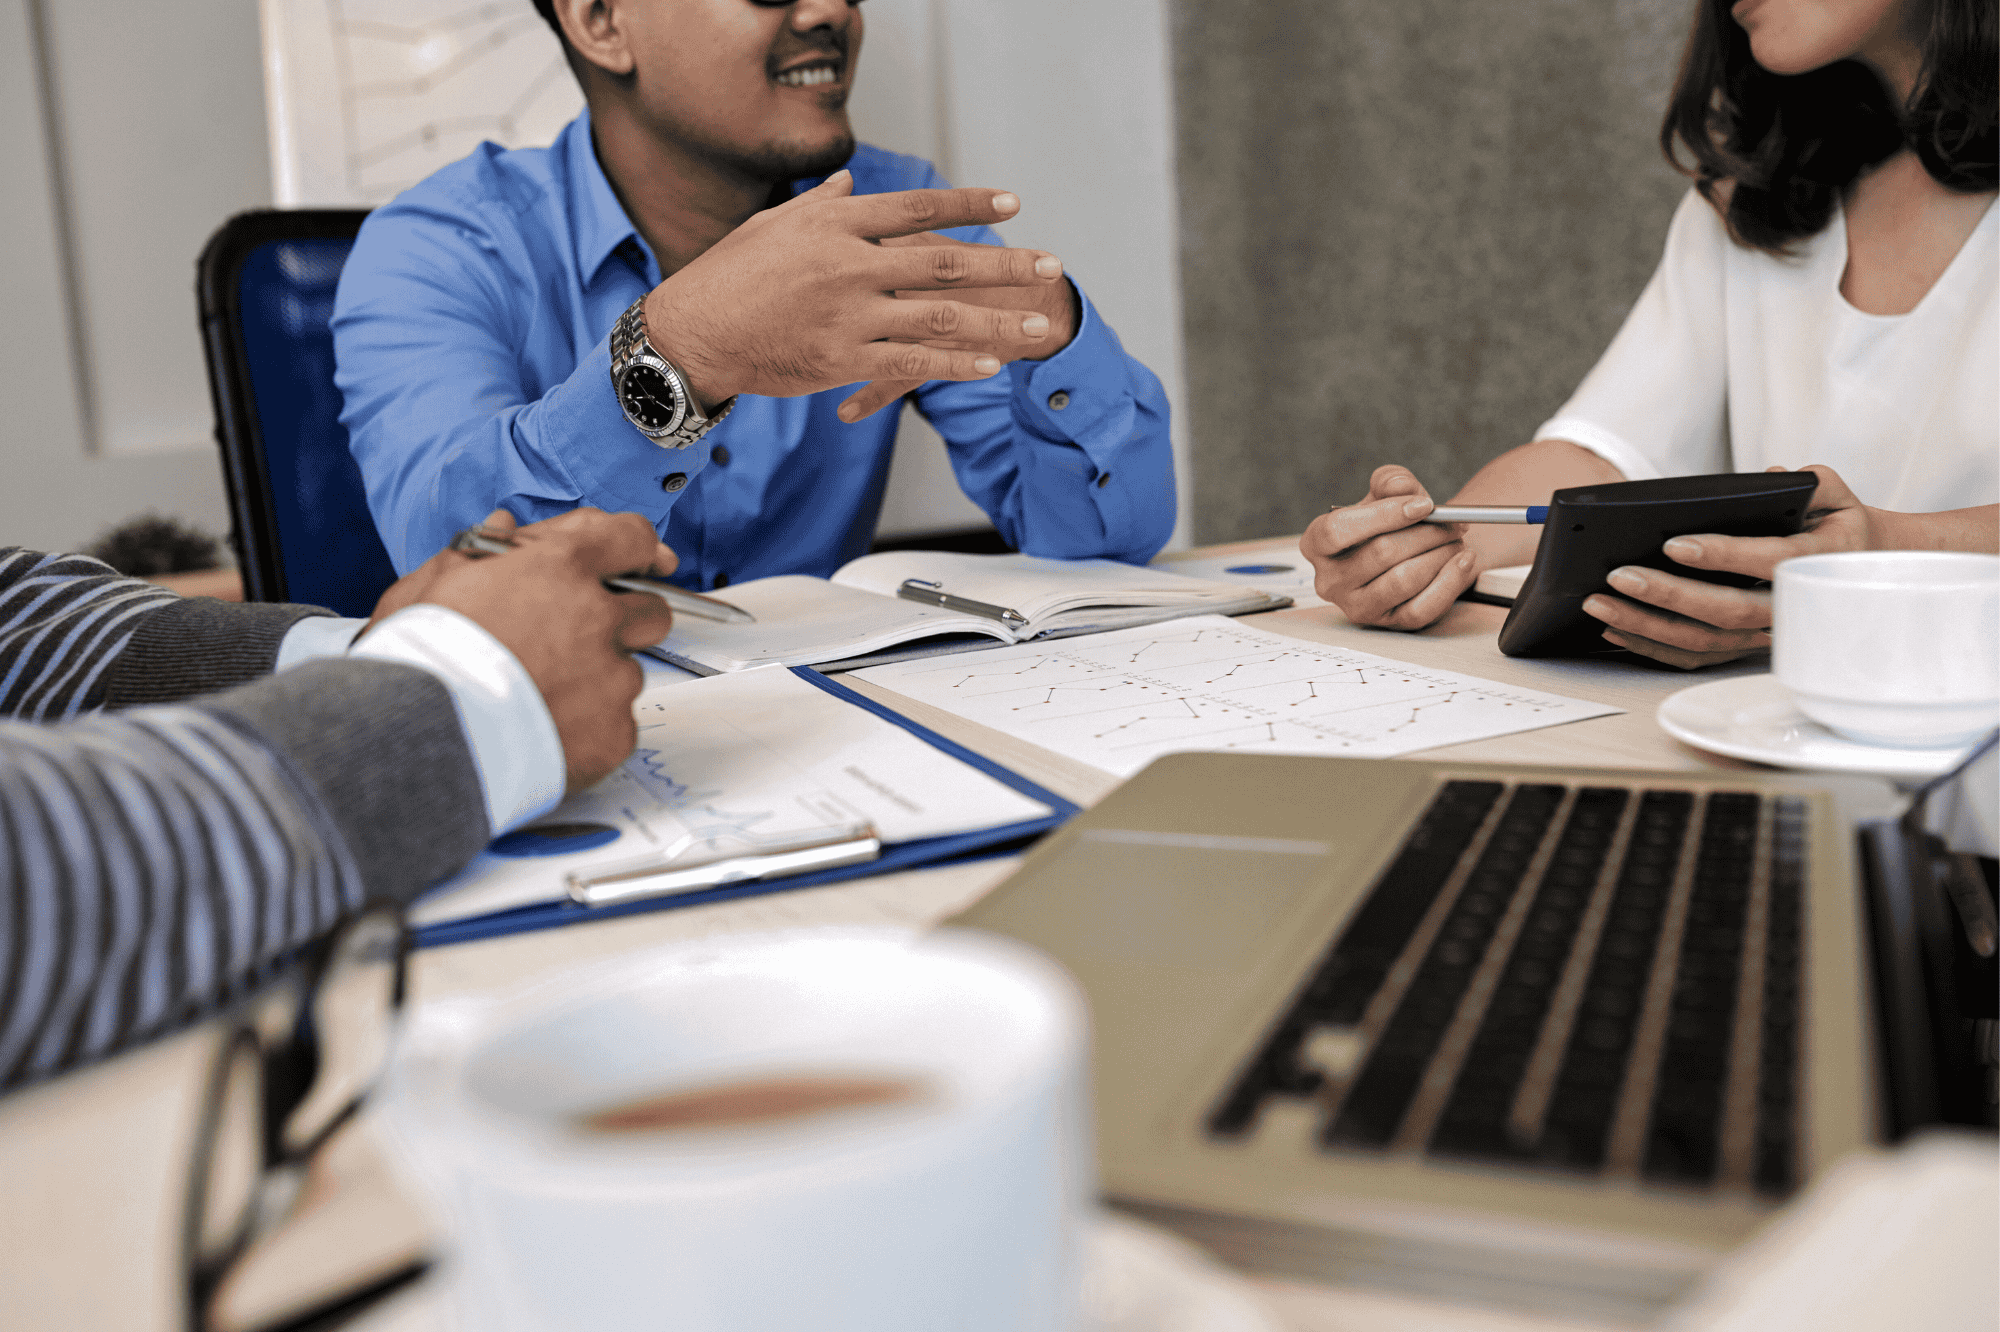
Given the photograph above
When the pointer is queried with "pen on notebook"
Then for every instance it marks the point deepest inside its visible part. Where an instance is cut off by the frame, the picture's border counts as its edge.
(477, 541)
(916, 589)
(1482, 513)
(817, 849)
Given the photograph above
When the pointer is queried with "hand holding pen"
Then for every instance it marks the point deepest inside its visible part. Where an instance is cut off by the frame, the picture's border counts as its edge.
(483, 540)
(1391, 559)
(546, 603)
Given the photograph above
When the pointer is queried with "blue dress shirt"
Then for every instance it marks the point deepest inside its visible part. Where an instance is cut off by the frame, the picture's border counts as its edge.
(471, 331)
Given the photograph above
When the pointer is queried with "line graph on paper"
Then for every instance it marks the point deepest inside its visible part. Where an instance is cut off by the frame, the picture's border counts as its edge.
(1120, 700)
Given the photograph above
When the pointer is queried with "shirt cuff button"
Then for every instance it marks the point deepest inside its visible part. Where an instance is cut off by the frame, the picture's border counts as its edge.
(1058, 400)
(1103, 480)
(673, 482)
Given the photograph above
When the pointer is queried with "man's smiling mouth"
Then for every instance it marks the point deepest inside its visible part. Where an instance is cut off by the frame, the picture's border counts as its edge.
(810, 76)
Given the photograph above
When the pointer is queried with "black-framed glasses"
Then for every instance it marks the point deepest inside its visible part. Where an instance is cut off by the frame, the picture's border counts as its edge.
(294, 1068)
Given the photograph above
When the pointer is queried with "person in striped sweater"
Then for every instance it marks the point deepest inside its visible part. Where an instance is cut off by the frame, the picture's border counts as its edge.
(191, 789)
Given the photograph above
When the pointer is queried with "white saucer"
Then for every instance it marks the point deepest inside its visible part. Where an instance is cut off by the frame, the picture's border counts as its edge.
(1753, 717)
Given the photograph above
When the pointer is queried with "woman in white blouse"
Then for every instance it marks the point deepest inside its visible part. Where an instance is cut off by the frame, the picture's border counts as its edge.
(1827, 297)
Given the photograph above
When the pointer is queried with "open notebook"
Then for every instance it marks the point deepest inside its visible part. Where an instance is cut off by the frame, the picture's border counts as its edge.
(858, 618)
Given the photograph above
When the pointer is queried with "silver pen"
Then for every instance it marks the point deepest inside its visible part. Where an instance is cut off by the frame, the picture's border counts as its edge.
(932, 594)
(1485, 513)
(820, 849)
(477, 541)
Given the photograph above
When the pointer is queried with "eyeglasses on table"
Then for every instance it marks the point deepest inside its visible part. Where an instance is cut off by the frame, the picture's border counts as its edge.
(295, 1066)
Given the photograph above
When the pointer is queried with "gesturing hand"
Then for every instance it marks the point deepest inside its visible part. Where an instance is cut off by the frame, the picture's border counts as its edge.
(1056, 306)
(546, 604)
(1687, 623)
(803, 297)
(1380, 563)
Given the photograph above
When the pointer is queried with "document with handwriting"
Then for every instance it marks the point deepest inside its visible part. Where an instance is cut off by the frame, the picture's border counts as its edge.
(1120, 700)
(729, 765)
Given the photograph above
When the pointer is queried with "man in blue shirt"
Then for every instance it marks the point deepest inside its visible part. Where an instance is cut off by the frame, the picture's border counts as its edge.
(478, 324)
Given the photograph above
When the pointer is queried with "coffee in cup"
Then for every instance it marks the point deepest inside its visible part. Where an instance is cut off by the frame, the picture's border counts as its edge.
(845, 1130)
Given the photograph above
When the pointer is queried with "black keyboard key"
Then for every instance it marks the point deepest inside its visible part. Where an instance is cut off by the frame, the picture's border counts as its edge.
(1580, 1110)
(1474, 1122)
(1379, 931)
(1360, 959)
(1774, 1159)
(1684, 1130)
(1382, 1091)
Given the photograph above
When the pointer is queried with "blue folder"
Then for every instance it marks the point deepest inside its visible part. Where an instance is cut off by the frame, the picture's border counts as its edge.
(928, 851)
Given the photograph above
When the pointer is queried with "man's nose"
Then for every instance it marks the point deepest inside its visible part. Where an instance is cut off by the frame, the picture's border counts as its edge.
(809, 14)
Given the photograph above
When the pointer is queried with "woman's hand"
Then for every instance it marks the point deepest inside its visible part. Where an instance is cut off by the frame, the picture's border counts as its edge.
(1687, 623)
(1380, 563)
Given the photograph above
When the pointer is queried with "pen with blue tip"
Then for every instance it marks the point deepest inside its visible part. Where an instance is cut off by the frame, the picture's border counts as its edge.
(1480, 513)
(477, 541)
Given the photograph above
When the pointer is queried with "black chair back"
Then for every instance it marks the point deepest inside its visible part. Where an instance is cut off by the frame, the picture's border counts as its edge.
(301, 527)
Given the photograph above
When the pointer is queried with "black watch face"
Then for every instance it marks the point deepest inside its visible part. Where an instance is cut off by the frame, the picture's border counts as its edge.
(649, 398)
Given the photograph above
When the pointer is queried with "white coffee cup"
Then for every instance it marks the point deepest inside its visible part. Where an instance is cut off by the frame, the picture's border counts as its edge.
(945, 1183)
(1896, 647)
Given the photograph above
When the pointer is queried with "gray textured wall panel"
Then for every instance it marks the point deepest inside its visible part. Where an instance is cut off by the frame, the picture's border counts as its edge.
(1408, 227)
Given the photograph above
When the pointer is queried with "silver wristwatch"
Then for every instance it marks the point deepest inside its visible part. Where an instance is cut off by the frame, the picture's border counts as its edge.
(652, 392)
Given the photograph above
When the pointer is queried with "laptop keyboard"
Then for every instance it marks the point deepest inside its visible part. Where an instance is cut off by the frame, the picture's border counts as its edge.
(1593, 979)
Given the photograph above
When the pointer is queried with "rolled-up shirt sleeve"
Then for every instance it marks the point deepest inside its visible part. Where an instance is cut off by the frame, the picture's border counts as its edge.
(1656, 402)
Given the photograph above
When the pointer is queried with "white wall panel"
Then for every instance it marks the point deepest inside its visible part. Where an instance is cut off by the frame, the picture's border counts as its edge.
(57, 494)
(161, 111)
(1071, 106)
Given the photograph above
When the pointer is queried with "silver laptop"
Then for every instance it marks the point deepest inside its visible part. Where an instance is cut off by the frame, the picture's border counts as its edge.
(1553, 1038)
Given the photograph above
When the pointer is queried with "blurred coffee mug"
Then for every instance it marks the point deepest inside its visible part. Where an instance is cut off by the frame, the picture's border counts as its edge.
(851, 1130)
(1898, 647)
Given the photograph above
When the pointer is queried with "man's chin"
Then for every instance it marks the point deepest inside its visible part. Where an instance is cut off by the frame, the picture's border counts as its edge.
(782, 161)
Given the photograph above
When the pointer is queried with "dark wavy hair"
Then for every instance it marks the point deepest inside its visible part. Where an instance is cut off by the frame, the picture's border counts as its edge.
(547, 9)
(1790, 143)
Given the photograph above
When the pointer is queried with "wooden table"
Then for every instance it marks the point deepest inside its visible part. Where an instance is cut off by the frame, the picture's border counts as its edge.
(91, 1165)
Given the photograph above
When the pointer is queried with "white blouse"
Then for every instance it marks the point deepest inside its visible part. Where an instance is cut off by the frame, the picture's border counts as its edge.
(1736, 360)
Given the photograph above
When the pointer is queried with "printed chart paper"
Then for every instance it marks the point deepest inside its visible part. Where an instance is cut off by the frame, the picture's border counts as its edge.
(736, 763)
(1120, 700)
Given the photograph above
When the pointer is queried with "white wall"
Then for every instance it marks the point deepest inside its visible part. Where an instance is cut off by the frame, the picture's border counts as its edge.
(158, 135)
(156, 138)
(1070, 106)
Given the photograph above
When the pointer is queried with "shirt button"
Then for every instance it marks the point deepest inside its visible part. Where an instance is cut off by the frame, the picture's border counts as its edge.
(1103, 480)
(722, 580)
(719, 455)
(1058, 400)
(674, 482)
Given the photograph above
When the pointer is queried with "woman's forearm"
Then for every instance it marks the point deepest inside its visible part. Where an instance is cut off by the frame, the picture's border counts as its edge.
(1954, 529)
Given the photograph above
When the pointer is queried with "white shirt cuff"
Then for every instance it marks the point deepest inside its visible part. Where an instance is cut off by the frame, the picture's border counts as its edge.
(314, 637)
(514, 742)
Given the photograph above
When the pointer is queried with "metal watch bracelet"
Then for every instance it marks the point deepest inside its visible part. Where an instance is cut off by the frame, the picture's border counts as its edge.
(641, 378)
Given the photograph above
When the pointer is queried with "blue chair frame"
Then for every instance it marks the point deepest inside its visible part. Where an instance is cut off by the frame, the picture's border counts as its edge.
(300, 523)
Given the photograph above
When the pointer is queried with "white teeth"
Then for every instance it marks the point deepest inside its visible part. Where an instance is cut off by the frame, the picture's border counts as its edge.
(806, 78)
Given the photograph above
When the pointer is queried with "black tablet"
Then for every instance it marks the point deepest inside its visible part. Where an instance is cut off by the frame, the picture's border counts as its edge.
(1591, 530)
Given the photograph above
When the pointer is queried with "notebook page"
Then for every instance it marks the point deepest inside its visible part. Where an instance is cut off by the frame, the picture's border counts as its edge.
(1038, 588)
(802, 620)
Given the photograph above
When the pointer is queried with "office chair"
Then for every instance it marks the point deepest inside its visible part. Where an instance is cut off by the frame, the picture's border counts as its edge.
(301, 527)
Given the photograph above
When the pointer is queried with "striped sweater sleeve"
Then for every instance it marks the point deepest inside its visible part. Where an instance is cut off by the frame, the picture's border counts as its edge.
(76, 635)
(158, 862)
